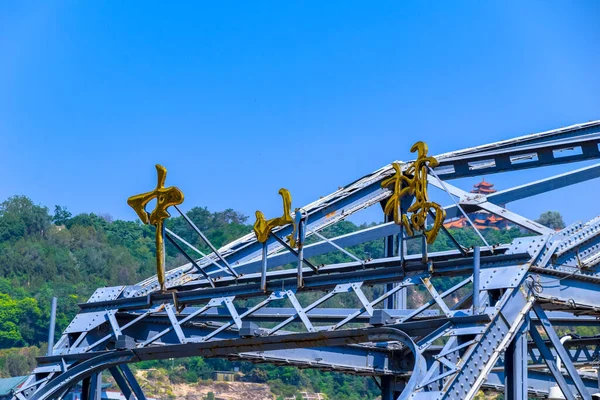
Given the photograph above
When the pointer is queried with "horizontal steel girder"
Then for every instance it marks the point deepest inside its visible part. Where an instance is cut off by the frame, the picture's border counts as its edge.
(376, 271)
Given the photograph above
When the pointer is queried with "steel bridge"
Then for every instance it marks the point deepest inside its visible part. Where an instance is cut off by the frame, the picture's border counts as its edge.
(495, 328)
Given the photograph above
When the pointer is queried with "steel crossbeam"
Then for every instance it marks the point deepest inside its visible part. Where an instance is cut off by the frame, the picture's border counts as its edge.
(439, 348)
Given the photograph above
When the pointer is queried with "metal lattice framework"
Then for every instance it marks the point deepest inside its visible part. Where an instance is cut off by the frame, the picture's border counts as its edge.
(494, 328)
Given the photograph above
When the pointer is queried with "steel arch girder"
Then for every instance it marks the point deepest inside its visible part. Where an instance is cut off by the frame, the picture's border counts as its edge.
(81, 371)
(106, 360)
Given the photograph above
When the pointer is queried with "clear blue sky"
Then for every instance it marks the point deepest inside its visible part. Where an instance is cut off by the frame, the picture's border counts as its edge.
(240, 99)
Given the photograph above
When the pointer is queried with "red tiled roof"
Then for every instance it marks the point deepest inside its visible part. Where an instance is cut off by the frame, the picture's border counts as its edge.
(483, 183)
(459, 223)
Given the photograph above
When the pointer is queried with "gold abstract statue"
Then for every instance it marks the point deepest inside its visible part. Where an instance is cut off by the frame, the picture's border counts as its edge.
(413, 181)
(165, 198)
(263, 227)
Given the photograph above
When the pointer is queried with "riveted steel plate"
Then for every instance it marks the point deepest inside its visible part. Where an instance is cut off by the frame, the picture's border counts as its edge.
(106, 293)
(501, 277)
(87, 321)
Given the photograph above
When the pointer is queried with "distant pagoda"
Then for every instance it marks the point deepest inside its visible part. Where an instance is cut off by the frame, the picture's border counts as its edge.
(484, 187)
(481, 219)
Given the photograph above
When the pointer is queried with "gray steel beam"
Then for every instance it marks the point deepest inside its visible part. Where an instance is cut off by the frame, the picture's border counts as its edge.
(95, 387)
(531, 189)
(85, 388)
(561, 290)
(121, 382)
(471, 202)
(376, 271)
(388, 387)
(561, 352)
(170, 346)
(323, 247)
(328, 315)
(516, 218)
(388, 250)
(104, 360)
(539, 382)
(551, 363)
(515, 366)
(519, 157)
(133, 384)
(545, 185)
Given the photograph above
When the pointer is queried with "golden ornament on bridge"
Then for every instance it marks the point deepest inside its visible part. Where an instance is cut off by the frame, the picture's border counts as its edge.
(165, 198)
(263, 227)
(413, 182)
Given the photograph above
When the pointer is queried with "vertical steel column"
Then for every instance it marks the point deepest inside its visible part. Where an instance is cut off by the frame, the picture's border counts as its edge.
(388, 251)
(263, 277)
(52, 327)
(85, 388)
(424, 256)
(96, 387)
(301, 233)
(515, 365)
(476, 286)
(402, 295)
(387, 387)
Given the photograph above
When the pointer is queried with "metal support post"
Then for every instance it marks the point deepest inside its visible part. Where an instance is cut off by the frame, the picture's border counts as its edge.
(263, 276)
(402, 295)
(52, 327)
(387, 387)
(85, 388)
(301, 233)
(388, 249)
(424, 257)
(96, 387)
(515, 366)
(476, 273)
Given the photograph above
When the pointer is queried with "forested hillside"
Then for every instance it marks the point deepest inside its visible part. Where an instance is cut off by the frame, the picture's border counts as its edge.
(45, 254)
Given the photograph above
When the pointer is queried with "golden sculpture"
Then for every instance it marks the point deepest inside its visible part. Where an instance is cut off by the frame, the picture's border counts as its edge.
(413, 181)
(263, 227)
(165, 198)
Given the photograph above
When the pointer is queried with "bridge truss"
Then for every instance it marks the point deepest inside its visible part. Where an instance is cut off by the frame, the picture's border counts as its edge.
(495, 328)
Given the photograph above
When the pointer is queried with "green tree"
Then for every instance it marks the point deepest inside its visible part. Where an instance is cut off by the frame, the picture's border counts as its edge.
(19, 362)
(21, 210)
(19, 321)
(61, 215)
(551, 219)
